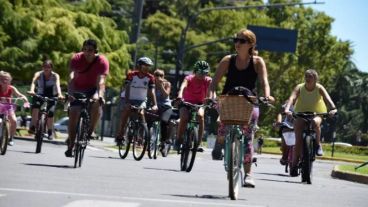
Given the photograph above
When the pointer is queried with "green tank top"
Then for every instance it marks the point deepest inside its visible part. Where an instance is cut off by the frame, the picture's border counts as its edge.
(310, 101)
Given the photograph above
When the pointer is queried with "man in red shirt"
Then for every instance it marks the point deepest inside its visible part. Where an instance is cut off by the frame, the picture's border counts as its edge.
(88, 71)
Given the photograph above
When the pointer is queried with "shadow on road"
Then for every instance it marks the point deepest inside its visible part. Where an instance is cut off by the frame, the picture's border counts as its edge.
(276, 174)
(214, 197)
(109, 157)
(280, 181)
(152, 168)
(47, 165)
(27, 152)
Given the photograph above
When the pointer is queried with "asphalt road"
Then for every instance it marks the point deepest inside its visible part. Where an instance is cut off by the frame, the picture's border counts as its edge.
(49, 179)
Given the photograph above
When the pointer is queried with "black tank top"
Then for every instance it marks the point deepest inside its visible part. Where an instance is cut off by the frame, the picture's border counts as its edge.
(234, 77)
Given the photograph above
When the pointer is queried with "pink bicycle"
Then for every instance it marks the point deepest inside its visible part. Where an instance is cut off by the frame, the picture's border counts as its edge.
(6, 107)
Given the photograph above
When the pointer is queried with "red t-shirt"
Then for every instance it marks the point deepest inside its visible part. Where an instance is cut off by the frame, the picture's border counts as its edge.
(196, 90)
(85, 81)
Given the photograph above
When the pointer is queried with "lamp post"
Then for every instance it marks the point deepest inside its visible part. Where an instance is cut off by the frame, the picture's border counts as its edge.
(181, 46)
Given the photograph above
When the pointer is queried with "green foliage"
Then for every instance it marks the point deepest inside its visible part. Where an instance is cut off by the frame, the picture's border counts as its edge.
(29, 30)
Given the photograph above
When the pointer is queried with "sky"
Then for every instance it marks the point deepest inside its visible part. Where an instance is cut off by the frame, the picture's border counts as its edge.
(351, 23)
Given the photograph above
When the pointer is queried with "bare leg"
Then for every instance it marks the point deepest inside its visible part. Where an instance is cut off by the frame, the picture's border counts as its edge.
(72, 125)
(95, 115)
(200, 118)
(34, 116)
(125, 113)
(182, 124)
(298, 128)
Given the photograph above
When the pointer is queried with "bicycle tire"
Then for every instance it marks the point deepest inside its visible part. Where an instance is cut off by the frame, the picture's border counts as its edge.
(307, 162)
(76, 154)
(125, 145)
(234, 167)
(80, 136)
(154, 137)
(184, 151)
(4, 137)
(140, 142)
(39, 132)
(193, 134)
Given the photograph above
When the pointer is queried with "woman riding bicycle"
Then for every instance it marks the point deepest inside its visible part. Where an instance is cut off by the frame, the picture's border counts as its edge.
(308, 97)
(194, 90)
(47, 84)
(242, 69)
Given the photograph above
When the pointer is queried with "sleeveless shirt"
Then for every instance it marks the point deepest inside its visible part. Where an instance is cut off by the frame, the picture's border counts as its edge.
(235, 77)
(7, 93)
(45, 87)
(310, 101)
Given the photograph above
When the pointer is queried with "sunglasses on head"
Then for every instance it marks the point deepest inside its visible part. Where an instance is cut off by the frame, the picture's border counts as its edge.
(240, 40)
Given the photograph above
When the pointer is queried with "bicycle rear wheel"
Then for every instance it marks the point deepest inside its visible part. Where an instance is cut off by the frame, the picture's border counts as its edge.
(154, 140)
(4, 137)
(234, 167)
(140, 142)
(39, 132)
(307, 163)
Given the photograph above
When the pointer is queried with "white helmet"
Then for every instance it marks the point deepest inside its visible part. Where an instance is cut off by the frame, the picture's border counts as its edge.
(144, 61)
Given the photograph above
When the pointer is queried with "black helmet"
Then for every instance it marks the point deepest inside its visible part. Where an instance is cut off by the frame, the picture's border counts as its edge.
(144, 61)
(201, 67)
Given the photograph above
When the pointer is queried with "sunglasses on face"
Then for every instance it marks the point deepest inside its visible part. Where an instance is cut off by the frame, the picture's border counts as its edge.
(159, 75)
(88, 50)
(240, 40)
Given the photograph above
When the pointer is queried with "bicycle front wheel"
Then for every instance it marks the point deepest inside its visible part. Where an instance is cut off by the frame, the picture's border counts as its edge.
(140, 142)
(39, 132)
(193, 146)
(81, 142)
(4, 137)
(234, 167)
(308, 156)
(154, 140)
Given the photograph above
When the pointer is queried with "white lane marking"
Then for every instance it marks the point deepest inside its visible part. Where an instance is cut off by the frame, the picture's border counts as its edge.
(2, 195)
(126, 198)
(98, 203)
(93, 148)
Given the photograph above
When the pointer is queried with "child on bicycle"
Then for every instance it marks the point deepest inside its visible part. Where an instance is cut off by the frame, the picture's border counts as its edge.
(308, 97)
(7, 91)
(194, 90)
(138, 85)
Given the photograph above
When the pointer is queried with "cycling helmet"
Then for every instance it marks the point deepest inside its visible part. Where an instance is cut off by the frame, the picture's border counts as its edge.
(201, 67)
(144, 61)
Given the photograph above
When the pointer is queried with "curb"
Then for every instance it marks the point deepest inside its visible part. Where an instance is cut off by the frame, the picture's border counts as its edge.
(336, 173)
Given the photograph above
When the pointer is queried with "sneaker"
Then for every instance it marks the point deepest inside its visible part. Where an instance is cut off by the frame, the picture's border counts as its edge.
(11, 142)
(294, 171)
(248, 182)
(283, 161)
(32, 129)
(200, 149)
(217, 152)
(319, 151)
(119, 141)
(50, 136)
(69, 153)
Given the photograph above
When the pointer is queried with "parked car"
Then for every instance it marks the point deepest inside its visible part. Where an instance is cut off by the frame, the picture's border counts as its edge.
(61, 125)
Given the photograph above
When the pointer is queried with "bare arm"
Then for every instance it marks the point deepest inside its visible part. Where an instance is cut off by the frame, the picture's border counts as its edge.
(100, 85)
(164, 87)
(327, 99)
(58, 89)
(18, 94)
(262, 75)
(220, 72)
(294, 95)
(152, 94)
(183, 85)
(33, 84)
